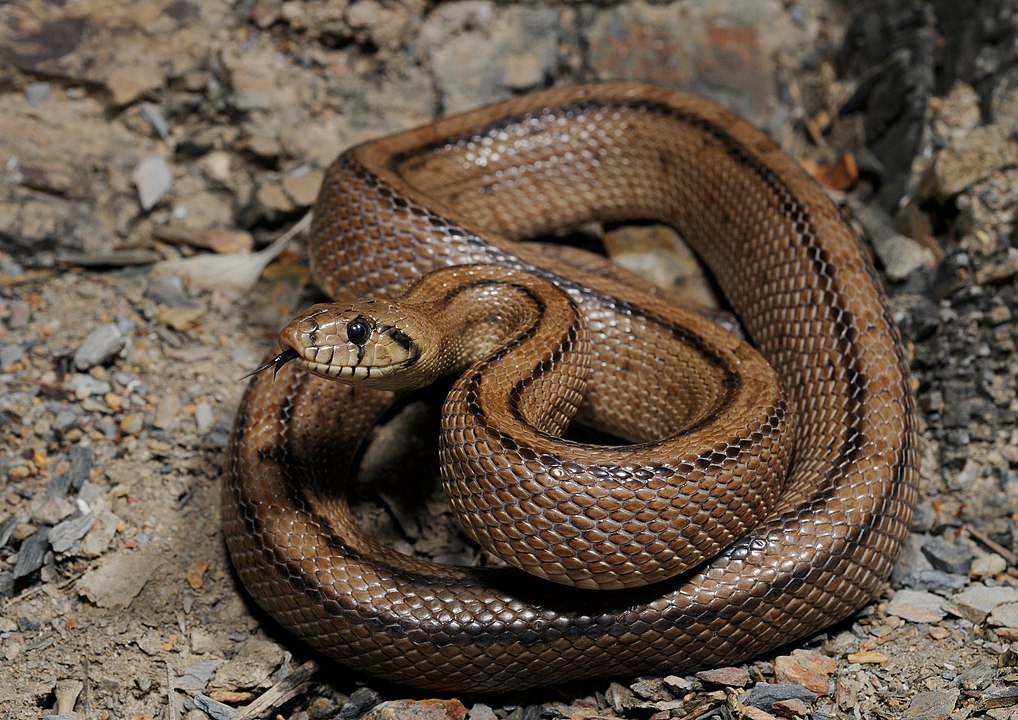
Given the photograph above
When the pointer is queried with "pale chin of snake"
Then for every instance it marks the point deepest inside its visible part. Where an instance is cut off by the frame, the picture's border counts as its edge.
(756, 565)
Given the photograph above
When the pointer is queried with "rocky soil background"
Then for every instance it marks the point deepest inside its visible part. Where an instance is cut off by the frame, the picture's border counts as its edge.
(148, 147)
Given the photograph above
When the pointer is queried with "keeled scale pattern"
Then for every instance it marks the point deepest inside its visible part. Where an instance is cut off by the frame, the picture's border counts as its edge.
(789, 266)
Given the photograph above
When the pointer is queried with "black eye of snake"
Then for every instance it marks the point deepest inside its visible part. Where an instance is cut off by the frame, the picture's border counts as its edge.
(358, 331)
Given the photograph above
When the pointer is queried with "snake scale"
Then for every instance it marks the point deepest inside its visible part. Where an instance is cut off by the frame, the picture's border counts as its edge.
(463, 191)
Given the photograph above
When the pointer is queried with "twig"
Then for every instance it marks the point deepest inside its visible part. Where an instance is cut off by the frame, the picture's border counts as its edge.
(279, 693)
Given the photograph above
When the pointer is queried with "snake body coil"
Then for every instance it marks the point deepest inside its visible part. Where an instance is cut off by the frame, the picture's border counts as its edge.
(462, 191)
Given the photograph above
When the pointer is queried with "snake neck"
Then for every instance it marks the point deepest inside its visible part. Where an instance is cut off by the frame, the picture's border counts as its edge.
(508, 324)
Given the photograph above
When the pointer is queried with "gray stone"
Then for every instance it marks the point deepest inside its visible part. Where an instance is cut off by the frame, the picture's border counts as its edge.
(64, 535)
(917, 606)
(215, 709)
(154, 117)
(84, 386)
(196, 677)
(763, 695)
(37, 93)
(933, 704)
(948, 556)
(987, 565)
(100, 346)
(32, 553)
(978, 601)
(1005, 615)
(10, 354)
(934, 580)
(153, 179)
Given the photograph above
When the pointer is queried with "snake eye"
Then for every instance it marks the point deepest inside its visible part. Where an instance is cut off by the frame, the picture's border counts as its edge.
(358, 331)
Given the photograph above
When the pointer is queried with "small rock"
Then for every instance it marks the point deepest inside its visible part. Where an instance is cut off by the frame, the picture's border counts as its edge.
(652, 689)
(203, 416)
(154, 117)
(972, 157)
(64, 535)
(948, 556)
(808, 668)
(417, 710)
(978, 601)
(791, 708)
(196, 677)
(361, 700)
(100, 535)
(763, 695)
(32, 553)
(215, 709)
(934, 580)
(117, 580)
(50, 510)
(153, 179)
(917, 606)
(101, 346)
(987, 566)
(67, 692)
(10, 354)
(37, 93)
(933, 704)
(167, 412)
(1001, 698)
(1005, 615)
(20, 314)
(726, 676)
(251, 667)
(84, 386)
(480, 711)
(867, 657)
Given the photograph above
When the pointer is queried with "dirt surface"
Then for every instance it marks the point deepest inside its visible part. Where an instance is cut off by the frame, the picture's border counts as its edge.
(137, 134)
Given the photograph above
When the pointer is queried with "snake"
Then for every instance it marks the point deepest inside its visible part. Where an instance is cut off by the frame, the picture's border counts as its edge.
(798, 456)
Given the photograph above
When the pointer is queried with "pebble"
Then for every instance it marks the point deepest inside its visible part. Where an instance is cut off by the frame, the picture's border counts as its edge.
(153, 179)
(154, 117)
(1005, 615)
(215, 709)
(726, 676)
(934, 580)
(167, 412)
(117, 580)
(807, 668)
(978, 601)
(100, 346)
(987, 566)
(37, 93)
(417, 710)
(203, 416)
(917, 606)
(933, 704)
(361, 700)
(480, 711)
(196, 676)
(948, 556)
(20, 314)
(10, 354)
(791, 708)
(763, 695)
(32, 553)
(67, 692)
(65, 535)
(84, 386)
(253, 664)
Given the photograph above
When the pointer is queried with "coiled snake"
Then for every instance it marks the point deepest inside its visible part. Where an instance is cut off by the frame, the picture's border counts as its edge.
(723, 587)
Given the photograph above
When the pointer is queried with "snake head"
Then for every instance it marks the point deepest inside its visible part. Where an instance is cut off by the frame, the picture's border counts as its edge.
(368, 344)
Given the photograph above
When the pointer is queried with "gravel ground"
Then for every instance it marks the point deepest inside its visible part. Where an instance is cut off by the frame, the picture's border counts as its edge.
(148, 148)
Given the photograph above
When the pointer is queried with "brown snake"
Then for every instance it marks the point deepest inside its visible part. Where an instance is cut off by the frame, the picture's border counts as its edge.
(461, 191)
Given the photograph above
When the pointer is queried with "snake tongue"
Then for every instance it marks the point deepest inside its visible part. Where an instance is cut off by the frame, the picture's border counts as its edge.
(279, 361)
